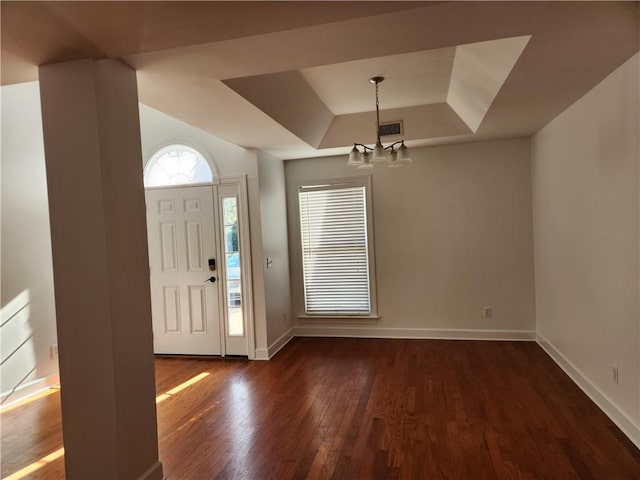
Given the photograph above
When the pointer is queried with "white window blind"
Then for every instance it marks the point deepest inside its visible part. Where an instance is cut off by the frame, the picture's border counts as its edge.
(333, 224)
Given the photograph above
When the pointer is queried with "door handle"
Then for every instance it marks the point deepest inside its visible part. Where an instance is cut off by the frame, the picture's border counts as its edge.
(210, 279)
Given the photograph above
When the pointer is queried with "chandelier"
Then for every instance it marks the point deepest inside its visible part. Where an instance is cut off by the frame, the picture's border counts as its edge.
(378, 154)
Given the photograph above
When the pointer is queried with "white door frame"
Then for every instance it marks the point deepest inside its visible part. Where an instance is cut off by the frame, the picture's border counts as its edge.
(246, 277)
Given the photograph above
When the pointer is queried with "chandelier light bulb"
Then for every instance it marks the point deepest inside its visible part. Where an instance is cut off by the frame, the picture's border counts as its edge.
(379, 155)
(354, 157)
(365, 160)
(393, 159)
(403, 154)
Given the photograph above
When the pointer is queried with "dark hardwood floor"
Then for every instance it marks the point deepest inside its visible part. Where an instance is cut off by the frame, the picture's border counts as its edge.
(362, 408)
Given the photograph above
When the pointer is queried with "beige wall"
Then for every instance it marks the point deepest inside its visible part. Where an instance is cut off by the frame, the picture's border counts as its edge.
(453, 234)
(275, 246)
(585, 196)
(28, 308)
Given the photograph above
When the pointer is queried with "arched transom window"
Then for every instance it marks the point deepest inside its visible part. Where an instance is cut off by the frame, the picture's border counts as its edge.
(176, 165)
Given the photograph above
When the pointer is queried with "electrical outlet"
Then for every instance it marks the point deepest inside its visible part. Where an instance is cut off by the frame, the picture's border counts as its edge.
(487, 312)
(53, 350)
(614, 375)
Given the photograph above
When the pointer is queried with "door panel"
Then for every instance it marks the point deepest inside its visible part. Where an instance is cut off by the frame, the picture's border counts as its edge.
(180, 227)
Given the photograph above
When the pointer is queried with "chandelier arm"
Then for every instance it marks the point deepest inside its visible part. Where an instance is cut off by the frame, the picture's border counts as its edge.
(393, 144)
(363, 146)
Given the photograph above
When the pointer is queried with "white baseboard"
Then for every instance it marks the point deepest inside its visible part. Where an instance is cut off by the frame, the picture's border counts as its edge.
(153, 473)
(418, 333)
(607, 405)
(262, 354)
(271, 350)
(29, 389)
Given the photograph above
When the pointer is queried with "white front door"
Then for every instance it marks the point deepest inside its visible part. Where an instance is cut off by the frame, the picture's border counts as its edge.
(182, 240)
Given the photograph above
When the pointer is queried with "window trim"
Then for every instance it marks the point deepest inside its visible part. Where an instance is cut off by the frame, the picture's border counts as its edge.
(361, 181)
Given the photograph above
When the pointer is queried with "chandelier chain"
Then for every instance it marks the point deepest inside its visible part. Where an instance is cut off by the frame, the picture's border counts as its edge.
(377, 114)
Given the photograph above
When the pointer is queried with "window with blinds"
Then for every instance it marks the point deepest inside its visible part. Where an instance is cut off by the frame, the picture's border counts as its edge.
(335, 252)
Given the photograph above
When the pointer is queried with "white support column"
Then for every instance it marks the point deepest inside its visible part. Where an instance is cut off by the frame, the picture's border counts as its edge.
(101, 270)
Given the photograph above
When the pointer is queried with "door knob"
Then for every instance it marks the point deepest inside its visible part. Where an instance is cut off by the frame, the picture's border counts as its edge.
(210, 279)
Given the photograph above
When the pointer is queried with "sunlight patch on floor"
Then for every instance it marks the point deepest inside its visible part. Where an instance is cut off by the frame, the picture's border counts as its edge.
(181, 387)
(36, 465)
(30, 399)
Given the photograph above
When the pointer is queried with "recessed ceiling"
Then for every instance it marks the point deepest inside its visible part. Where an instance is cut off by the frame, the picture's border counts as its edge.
(417, 78)
(479, 71)
(437, 93)
(511, 67)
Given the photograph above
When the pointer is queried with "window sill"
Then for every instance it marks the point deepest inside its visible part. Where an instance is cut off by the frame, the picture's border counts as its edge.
(338, 318)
